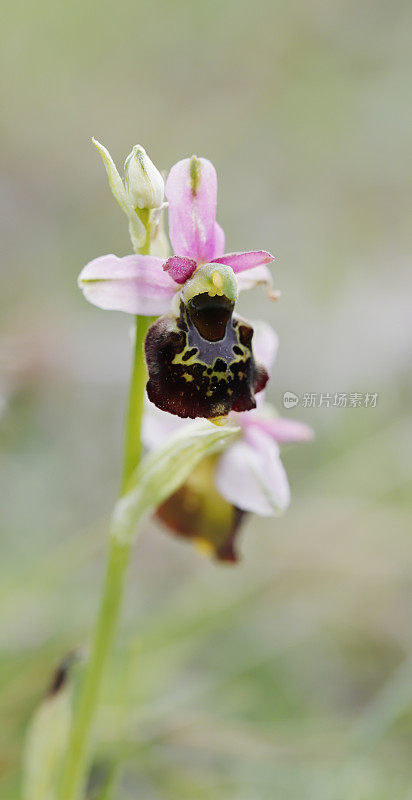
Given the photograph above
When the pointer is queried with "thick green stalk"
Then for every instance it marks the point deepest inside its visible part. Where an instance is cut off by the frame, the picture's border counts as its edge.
(132, 442)
(75, 769)
(73, 780)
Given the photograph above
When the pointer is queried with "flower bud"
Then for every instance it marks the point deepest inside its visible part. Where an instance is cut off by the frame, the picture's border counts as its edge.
(144, 183)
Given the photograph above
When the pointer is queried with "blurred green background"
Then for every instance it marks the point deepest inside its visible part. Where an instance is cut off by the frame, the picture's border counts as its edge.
(289, 675)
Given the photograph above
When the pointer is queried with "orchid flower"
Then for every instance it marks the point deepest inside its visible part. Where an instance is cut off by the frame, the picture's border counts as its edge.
(146, 284)
(247, 477)
(199, 357)
(200, 363)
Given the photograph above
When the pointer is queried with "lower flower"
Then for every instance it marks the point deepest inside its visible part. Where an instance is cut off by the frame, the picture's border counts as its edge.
(199, 513)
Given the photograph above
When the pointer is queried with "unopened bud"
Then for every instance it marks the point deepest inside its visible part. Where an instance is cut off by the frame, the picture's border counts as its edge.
(144, 183)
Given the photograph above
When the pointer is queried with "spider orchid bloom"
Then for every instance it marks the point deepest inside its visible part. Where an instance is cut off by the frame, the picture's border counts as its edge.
(247, 477)
(199, 357)
(146, 284)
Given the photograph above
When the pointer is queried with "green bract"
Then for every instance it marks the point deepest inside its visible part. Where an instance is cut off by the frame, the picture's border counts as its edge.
(159, 474)
(46, 744)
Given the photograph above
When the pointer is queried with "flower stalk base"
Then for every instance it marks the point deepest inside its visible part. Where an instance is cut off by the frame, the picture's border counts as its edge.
(73, 779)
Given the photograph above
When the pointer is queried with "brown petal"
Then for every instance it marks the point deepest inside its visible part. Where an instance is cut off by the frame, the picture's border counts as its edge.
(198, 512)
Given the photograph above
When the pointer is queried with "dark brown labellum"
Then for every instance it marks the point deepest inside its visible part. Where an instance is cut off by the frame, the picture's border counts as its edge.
(201, 364)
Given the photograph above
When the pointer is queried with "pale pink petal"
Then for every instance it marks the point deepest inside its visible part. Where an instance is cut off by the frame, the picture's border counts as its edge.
(282, 430)
(180, 268)
(157, 425)
(244, 261)
(259, 276)
(265, 344)
(192, 196)
(251, 476)
(135, 284)
(219, 241)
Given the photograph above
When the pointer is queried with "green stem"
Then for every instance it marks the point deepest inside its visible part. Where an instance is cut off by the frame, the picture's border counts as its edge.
(132, 445)
(75, 768)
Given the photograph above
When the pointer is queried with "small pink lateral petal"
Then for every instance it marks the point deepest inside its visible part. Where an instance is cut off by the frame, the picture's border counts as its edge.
(135, 284)
(192, 196)
(242, 261)
(180, 268)
(282, 430)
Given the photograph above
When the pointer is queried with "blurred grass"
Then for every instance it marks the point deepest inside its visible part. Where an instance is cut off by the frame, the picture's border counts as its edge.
(290, 675)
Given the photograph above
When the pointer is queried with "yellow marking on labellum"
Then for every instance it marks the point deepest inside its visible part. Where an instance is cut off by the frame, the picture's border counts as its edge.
(203, 546)
(178, 359)
(194, 359)
(188, 377)
(220, 421)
